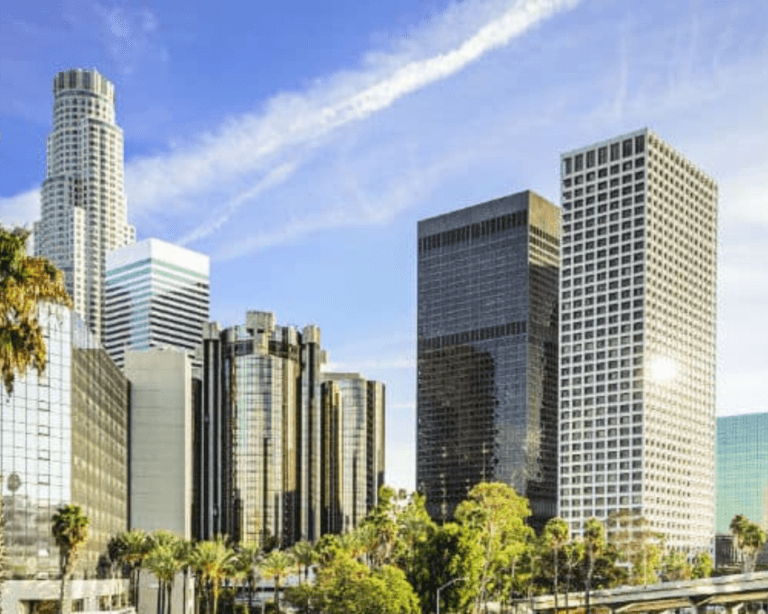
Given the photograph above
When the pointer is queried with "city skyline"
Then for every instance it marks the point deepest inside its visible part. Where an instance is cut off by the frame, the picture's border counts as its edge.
(341, 169)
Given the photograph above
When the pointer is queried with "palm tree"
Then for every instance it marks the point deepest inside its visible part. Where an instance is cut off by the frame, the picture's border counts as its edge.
(25, 282)
(212, 562)
(749, 538)
(277, 566)
(594, 542)
(248, 559)
(135, 546)
(555, 536)
(305, 556)
(184, 549)
(164, 561)
(70, 530)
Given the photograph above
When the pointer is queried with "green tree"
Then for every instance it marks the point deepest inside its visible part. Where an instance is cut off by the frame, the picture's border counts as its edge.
(70, 531)
(702, 566)
(675, 566)
(305, 556)
(594, 544)
(640, 549)
(164, 561)
(212, 561)
(382, 521)
(347, 586)
(25, 283)
(749, 539)
(135, 545)
(573, 553)
(496, 514)
(277, 566)
(554, 536)
(248, 559)
(451, 551)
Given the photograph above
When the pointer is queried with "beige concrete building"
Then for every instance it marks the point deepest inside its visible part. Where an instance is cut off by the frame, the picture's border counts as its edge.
(638, 283)
(161, 440)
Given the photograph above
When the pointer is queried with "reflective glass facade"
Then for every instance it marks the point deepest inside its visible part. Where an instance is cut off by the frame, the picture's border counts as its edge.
(63, 439)
(258, 461)
(637, 338)
(742, 469)
(353, 449)
(487, 352)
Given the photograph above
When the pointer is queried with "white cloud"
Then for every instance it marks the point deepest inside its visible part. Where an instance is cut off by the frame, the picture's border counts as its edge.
(250, 143)
(21, 209)
(130, 35)
(222, 215)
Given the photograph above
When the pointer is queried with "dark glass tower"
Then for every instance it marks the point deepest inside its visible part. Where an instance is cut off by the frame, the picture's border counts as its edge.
(487, 352)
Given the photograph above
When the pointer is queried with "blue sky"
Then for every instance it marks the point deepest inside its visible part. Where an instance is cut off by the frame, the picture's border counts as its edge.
(298, 143)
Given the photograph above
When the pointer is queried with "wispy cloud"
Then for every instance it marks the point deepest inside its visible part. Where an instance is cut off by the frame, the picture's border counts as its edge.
(251, 143)
(129, 34)
(221, 216)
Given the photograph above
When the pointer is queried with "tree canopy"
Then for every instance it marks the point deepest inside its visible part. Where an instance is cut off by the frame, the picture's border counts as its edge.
(25, 283)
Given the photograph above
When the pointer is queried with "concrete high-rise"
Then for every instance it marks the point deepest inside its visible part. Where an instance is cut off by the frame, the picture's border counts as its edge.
(637, 338)
(83, 211)
(487, 352)
(157, 295)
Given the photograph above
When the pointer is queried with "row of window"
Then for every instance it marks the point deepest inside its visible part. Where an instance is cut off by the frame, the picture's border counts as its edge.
(602, 155)
(477, 230)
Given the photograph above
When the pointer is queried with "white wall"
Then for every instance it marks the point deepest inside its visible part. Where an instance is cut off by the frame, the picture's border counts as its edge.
(160, 440)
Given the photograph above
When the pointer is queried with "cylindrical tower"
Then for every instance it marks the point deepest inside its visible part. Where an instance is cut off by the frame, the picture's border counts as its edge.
(84, 211)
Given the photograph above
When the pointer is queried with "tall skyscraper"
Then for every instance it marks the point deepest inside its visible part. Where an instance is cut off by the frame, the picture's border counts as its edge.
(157, 295)
(487, 352)
(63, 439)
(637, 338)
(352, 449)
(742, 469)
(83, 213)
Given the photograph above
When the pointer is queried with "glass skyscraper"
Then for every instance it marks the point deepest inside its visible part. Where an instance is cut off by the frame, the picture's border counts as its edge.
(157, 295)
(353, 449)
(63, 439)
(83, 214)
(283, 452)
(742, 469)
(637, 338)
(258, 458)
(487, 352)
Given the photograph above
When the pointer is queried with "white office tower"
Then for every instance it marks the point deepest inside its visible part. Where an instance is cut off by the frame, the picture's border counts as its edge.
(83, 214)
(637, 338)
(157, 295)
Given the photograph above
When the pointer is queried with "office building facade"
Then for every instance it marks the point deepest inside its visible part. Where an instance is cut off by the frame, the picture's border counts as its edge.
(63, 439)
(742, 469)
(258, 460)
(352, 449)
(157, 295)
(83, 210)
(487, 352)
(637, 338)
(161, 435)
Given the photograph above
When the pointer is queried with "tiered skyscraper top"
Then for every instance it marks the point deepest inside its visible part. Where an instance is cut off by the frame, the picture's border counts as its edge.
(84, 211)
